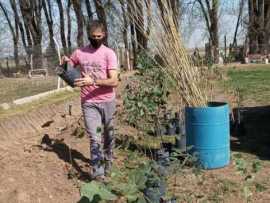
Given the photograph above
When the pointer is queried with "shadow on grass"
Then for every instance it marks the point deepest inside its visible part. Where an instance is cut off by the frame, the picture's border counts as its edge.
(65, 153)
(251, 131)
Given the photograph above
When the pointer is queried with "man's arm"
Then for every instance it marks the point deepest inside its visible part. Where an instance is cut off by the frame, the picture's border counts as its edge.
(112, 80)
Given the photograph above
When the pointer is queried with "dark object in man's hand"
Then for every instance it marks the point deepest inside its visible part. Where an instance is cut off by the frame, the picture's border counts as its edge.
(68, 74)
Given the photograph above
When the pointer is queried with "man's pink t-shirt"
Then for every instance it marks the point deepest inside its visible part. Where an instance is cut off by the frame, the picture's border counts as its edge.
(97, 63)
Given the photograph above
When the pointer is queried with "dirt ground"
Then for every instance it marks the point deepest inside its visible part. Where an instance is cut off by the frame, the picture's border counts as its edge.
(35, 166)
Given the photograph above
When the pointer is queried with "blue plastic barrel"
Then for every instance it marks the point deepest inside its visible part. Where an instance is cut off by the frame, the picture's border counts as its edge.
(208, 134)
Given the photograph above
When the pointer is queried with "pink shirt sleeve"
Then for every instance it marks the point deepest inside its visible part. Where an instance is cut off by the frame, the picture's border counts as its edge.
(112, 60)
(74, 59)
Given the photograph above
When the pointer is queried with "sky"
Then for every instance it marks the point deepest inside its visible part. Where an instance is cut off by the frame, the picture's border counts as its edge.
(195, 32)
(227, 23)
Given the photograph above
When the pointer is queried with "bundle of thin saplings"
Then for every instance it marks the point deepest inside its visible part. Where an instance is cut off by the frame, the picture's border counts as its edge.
(165, 41)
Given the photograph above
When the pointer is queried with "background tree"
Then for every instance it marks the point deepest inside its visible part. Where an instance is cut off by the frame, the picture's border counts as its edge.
(209, 9)
(258, 29)
(68, 26)
(31, 13)
(123, 4)
(80, 21)
(62, 25)
(25, 34)
(47, 8)
(130, 7)
(14, 29)
(101, 14)
(241, 8)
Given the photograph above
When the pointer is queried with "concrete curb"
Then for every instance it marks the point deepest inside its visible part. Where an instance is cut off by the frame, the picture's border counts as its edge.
(36, 97)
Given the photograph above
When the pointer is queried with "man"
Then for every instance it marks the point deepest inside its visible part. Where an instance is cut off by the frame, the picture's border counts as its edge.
(98, 65)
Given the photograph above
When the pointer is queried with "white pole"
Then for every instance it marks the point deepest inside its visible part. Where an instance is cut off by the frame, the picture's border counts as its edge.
(59, 58)
(127, 58)
(31, 61)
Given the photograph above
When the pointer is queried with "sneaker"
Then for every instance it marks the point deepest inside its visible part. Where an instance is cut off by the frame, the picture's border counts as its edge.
(96, 171)
(101, 179)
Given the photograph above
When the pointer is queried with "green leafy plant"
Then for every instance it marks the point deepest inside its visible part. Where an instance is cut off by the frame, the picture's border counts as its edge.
(259, 187)
(256, 166)
(145, 175)
(129, 183)
(95, 191)
(241, 165)
(146, 92)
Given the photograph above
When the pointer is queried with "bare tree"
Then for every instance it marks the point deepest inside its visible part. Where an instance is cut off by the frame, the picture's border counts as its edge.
(69, 26)
(47, 8)
(267, 27)
(241, 8)
(62, 25)
(209, 9)
(125, 22)
(80, 21)
(130, 7)
(100, 11)
(139, 24)
(14, 29)
(258, 29)
(31, 13)
(89, 10)
(26, 40)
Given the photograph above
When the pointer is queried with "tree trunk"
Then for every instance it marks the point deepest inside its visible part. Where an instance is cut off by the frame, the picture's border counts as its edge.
(125, 29)
(16, 49)
(89, 10)
(130, 7)
(51, 54)
(62, 25)
(69, 27)
(101, 16)
(148, 4)
(15, 34)
(139, 25)
(49, 20)
(78, 11)
(253, 40)
(214, 30)
(241, 6)
(21, 27)
(209, 10)
(267, 27)
(31, 13)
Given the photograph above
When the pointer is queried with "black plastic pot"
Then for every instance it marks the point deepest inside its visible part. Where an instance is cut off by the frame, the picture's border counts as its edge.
(181, 142)
(68, 74)
(163, 158)
(171, 128)
(154, 194)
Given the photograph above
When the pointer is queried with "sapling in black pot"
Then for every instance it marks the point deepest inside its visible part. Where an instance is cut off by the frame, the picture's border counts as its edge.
(155, 184)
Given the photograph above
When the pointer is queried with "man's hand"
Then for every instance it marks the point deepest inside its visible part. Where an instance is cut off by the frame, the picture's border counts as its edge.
(86, 80)
(64, 60)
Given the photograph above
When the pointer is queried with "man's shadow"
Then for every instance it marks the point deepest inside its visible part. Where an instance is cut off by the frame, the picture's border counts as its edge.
(67, 154)
(251, 131)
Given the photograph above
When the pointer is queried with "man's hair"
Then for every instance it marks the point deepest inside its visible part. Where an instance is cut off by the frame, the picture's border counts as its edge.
(96, 24)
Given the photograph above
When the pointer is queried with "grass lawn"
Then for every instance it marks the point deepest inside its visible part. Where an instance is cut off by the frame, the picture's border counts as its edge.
(16, 88)
(251, 84)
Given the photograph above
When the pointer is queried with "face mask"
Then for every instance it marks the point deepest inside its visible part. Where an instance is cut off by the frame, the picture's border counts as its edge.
(96, 43)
